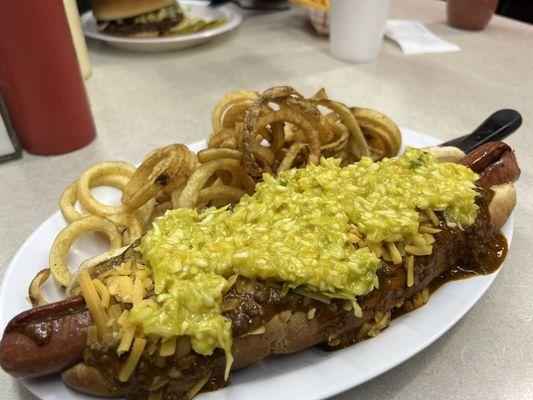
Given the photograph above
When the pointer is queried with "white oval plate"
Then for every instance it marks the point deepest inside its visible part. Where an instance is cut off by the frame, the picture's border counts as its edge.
(191, 8)
(310, 374)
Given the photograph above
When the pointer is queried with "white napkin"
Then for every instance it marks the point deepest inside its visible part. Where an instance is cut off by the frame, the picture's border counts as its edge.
(414, 38)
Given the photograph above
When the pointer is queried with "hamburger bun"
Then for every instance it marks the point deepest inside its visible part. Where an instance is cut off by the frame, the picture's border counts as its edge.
(109, 10)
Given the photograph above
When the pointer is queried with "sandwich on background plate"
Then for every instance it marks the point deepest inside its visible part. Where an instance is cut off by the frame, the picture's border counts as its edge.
(140, 18)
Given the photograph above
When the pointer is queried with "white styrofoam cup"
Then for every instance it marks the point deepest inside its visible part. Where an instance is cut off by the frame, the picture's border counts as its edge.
(356, 28)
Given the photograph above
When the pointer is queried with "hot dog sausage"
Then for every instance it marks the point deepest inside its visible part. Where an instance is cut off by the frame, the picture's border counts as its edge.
(495, 162)
(479, 159)
(504, 170)
(46, 339)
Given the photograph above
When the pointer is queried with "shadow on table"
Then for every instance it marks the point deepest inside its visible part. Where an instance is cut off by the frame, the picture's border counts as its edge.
(442, 28)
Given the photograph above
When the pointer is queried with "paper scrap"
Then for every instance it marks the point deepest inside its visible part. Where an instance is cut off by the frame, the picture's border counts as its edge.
(414, 38)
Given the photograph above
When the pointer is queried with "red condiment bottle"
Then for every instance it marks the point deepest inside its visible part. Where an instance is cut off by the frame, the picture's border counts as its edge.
(40, 78)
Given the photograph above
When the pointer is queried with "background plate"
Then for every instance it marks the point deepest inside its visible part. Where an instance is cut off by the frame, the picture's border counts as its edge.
(310, 374)
(191, 8)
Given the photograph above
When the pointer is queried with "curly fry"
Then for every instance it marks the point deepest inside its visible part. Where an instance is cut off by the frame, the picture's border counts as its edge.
(70, 195)
(34, 291)
(282, 115)
(167, 168)
(65, 239)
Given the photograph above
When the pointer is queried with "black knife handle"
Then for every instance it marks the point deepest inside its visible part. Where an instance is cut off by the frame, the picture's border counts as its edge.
(496, 127)
(215, 3)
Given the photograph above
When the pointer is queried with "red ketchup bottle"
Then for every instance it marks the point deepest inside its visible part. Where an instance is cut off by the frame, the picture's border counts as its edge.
(40, 78)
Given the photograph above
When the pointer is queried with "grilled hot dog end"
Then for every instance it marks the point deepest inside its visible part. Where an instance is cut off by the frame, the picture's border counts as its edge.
(46, 339)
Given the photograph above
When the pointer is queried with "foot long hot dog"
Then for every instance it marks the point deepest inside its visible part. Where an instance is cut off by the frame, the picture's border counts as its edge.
(266, 316)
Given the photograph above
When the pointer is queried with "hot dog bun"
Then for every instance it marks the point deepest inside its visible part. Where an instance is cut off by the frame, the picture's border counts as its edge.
(87, 379)
(445, 153)
(108, 10)
(502, 204)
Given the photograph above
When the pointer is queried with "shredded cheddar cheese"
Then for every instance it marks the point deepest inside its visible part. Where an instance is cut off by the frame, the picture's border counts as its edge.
(133, 359)
(94, 303)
